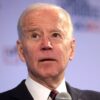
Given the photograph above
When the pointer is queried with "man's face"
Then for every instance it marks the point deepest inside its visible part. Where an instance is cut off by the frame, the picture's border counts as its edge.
(45, 45)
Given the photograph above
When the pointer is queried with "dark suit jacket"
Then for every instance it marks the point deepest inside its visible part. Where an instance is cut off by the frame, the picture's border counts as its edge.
(21, 93)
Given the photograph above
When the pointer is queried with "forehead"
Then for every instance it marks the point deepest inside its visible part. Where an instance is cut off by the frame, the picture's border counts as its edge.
(43, 15)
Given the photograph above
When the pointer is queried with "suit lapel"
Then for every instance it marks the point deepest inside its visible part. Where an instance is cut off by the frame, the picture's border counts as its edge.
(75, 93)
(21, 92)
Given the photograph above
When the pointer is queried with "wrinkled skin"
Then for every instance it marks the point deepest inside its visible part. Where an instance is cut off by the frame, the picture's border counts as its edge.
(46, 53)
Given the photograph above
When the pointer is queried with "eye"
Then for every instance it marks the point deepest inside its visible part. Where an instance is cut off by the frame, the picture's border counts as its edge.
(56, 35)
(35, 36)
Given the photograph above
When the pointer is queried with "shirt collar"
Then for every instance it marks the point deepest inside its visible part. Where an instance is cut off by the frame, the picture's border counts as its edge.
(62, 87)
(39, 92)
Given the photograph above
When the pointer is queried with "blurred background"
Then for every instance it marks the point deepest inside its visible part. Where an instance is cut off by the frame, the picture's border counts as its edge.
(83, 72)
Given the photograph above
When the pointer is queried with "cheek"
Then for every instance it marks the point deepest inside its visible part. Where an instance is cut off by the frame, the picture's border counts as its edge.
(30, 55)
(63, 53)
(31, 60)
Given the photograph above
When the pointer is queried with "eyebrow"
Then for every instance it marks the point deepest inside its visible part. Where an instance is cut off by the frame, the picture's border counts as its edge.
(31, 29)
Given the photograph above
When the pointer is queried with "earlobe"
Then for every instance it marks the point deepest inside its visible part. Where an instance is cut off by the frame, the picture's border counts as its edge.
(20, 50)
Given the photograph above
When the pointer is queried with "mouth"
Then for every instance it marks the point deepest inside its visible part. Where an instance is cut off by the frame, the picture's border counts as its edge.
(47, 59)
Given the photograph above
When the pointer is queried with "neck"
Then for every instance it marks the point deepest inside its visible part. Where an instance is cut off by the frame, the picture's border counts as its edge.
(51, 82)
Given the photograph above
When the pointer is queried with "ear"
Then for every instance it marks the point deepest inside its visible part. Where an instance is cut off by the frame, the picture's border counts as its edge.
(73, 45)
(20, 50)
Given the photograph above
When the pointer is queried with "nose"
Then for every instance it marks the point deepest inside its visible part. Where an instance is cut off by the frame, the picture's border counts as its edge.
(46, 44)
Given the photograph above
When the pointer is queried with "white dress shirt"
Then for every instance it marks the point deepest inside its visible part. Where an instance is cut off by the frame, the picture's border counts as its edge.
(39, 92)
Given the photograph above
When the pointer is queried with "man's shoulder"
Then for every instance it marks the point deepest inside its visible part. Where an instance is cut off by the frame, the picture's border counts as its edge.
(6, 95)
(84, 94)
(92, 95)
(20, 92)
(79, 94)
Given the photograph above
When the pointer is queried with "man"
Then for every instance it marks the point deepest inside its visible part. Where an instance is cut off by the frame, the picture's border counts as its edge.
(46, 45)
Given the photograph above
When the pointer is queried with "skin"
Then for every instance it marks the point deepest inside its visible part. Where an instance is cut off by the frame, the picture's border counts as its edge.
(50, 49)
